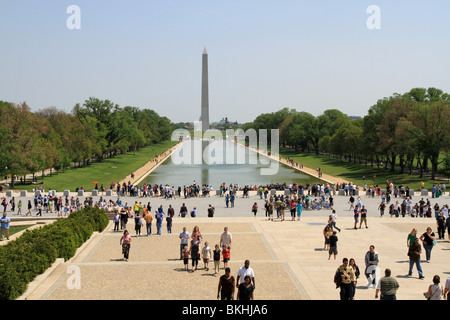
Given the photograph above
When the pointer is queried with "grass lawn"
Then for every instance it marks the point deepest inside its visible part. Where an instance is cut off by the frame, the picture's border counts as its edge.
(111, 169)
(354, 172)
(16, 229)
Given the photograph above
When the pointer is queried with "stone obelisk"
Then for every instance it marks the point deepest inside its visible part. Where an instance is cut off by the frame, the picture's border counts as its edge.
(205, 98)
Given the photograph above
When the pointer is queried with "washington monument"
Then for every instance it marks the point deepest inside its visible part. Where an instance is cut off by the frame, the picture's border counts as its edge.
(205, 100)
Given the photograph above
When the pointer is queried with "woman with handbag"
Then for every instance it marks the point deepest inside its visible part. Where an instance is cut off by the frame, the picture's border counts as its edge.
(428, 240)
(435, 291)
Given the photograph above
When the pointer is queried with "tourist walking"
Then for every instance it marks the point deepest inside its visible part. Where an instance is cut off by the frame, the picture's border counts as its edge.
(387, 287)
(412, 236)
(232, 198)
(169, 220)
(428, 240)
(435, 290)
(245, 290)
(13, 204)
(356, 213)
(414, 252)
(333, 245)
(211, 211)
(19, 207)
(327, 232)
(123, 219)
(159, 216)
(371, 260)
(266, 208)
(271, 204)
(194, 251)
(148, 222)
(30, 207)
(4, 204)
(206, 256)
(183, 211)
(184, 241)
(226, 238)
(185, 257)
(226, 286)
(226, 256)
(282, 207)
(39, 208)
(293, 209)
(254, 209)
(440, 223)
(344, 279)
(216, 257)
(363, 216)
(333, 218)
(357, 273)
(137, 224)
(227, 200)
(244, 271)
(4, 226)
(299, 209)
(382, 207)
(125, 242)
(196, 233)
(116, 220)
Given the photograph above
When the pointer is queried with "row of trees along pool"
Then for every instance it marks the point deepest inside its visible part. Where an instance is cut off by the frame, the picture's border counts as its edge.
(409, 130)
(92, 131)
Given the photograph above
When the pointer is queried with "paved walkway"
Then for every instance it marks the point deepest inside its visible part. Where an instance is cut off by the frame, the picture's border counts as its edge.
(146, 169)
(309, 171)
(288, 257)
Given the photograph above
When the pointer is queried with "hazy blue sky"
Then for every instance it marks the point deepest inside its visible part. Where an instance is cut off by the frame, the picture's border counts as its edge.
(263, 55)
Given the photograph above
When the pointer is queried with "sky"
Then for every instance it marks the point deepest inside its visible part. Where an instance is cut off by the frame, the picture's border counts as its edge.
(264, 55)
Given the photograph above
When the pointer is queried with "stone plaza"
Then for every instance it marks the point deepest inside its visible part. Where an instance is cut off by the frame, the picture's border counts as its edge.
(288, 257)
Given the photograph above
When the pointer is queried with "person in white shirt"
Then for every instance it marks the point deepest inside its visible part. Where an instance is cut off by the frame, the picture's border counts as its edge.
(246, 270)
(225, 238)
(333, 217)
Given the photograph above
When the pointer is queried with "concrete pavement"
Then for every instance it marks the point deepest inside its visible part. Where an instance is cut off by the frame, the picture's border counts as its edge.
(288, 257)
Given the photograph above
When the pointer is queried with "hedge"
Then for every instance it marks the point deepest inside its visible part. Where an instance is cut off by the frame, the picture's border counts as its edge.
(23, 259)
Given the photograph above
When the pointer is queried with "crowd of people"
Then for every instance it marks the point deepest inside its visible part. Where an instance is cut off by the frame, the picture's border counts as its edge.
(298, 198)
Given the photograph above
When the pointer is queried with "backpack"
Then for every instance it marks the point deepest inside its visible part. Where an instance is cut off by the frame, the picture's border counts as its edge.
(337, 279)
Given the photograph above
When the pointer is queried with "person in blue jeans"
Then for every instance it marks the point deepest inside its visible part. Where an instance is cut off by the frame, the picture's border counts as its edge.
(427, 240)
(5, 221)
(159, 218)
(415, 249)
(232, 197)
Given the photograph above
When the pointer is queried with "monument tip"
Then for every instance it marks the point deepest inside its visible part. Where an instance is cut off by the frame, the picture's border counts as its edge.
(204, 51)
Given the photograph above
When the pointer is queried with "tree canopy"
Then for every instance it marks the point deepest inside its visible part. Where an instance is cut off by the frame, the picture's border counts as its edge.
(52, 138)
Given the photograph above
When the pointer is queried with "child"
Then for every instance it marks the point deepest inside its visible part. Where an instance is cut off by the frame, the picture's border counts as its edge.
(186, 258)
(216, 254)
(226, 256)
(206, 255)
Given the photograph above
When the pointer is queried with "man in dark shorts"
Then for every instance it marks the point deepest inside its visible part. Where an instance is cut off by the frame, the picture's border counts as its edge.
(333, 245)
(363, 217)
(356, 216)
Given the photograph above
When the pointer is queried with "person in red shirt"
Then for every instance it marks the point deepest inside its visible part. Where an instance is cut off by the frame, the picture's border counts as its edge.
(226, 256)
